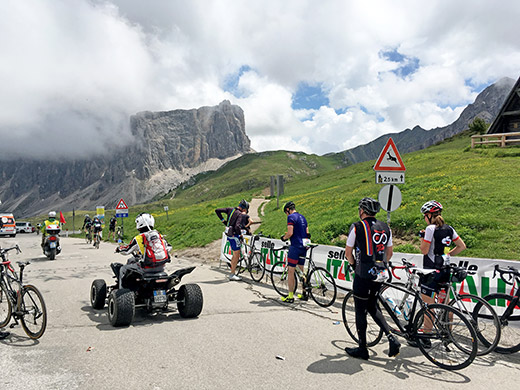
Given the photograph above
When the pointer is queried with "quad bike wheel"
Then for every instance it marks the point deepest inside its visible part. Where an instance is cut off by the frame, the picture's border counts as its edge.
(189, 300)
(98, 294)
(121, 307)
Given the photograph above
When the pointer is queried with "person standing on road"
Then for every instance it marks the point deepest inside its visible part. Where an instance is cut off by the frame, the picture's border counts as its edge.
(112, 228)
(233, 224)
(297, 232)
(372, 242)
(435, 246)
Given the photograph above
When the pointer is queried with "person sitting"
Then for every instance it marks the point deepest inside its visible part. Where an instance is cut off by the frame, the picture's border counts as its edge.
(48, 222)
(152, 249)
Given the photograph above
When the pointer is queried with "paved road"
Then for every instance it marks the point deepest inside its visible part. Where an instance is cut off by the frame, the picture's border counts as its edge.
(233, 344)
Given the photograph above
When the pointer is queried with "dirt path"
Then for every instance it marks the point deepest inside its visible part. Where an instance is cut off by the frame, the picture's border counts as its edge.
(211, 252)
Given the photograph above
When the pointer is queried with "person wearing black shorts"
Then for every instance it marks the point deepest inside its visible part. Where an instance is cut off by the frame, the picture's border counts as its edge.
(112, 228)
(372, 242)
(436, 240)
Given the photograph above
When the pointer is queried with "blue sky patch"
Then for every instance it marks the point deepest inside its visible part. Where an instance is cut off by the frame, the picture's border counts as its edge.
(408, 65)
(309, 97)
(230, 83)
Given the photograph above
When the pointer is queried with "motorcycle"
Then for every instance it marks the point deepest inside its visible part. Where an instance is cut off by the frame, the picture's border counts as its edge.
(51, 245)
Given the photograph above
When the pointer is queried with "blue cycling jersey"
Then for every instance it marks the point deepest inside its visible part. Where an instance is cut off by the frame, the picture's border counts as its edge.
(299, 224)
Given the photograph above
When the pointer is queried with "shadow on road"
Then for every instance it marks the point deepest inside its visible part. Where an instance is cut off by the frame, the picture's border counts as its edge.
(401, 366)
(141, 318)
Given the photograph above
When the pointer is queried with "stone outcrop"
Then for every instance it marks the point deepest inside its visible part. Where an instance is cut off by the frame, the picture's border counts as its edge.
(166, 148)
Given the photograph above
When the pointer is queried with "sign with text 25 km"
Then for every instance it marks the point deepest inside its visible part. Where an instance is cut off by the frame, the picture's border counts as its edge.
(389, 166)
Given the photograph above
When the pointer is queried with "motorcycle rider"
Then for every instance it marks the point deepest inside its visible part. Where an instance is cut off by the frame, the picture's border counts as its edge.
(153, 249)
(50, 221)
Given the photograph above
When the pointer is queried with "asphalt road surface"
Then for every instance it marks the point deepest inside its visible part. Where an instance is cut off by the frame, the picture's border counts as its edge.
(234, 343)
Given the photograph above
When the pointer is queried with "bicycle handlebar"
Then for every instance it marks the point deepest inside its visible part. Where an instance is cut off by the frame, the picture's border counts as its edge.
(3, 251)
(509, 271)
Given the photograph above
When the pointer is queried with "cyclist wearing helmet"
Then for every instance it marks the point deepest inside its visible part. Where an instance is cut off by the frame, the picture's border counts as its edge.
(233, 222)
(372, 242)
(436, 240)
(86, 221)
(49, 221)
(149, 244)
(297, 232)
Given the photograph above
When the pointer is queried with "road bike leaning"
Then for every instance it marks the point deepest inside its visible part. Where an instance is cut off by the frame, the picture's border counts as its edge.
(251, 259)
(482, 316)
(451, 343)
(317, 281)
(18, 301)
(508, 308)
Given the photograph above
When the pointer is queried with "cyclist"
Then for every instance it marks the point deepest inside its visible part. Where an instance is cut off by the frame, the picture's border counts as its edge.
(435, 242)
(297, 232)
(154, 250)
(233, 224)
(112, 228)
(372, 242)
(86, 221)
(49, 221)
(97, 228)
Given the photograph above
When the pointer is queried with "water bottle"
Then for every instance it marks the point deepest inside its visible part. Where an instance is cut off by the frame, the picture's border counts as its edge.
(407, 307)
(394, 307)
(446, 258)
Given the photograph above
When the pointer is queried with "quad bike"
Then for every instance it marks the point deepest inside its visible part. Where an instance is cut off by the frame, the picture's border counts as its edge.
(153, 291)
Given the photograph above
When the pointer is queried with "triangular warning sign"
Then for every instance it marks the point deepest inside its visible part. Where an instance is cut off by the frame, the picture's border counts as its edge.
(389, 159)
(121, 205)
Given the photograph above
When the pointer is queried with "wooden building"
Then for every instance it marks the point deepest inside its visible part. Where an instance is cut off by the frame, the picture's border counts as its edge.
(508, 119)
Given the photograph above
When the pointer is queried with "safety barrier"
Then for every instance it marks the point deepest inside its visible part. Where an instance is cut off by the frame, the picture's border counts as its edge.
(479, 281)
(503, 139)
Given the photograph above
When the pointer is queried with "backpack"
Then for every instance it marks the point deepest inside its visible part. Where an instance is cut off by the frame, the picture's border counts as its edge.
(156, 253)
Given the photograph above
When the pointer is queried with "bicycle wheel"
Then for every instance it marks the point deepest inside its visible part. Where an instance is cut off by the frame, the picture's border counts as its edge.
(483, 318)
(34, 313)
(279, 278)
(322, 287)
(256, 267)
(241, 264)
(452, 343)
(348, 311)
(5, 307)
(510, 325)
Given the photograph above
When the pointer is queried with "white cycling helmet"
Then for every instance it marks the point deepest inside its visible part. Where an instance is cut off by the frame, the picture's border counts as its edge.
(52, 214)
(144, 220)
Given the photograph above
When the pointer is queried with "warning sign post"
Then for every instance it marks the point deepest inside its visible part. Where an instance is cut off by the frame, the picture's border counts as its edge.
(390, 170)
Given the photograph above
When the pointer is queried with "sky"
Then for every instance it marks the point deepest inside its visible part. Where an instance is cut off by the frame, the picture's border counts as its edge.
(314, 76)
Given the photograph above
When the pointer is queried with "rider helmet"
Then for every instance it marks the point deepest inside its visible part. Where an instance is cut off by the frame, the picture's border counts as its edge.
(432, 206)
(243, 204)
(87, 216)
(289, 206)
(52, 214)
(370, 206)
(144, 222)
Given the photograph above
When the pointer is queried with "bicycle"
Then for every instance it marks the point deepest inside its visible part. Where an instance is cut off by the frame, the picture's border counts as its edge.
(451, 344)
(483, 318)
(88, 235)
(97, 239)
(508, 307)
(317, 281)
(20, 302)
(251, 259)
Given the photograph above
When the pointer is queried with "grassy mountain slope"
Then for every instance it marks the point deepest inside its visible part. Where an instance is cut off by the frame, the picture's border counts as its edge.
(478, 188)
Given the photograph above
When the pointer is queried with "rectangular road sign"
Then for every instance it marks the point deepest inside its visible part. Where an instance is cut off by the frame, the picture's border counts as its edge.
(122, 213)
(383, 177)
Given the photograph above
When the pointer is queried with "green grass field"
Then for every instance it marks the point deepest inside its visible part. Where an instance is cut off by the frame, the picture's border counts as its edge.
(478, 188)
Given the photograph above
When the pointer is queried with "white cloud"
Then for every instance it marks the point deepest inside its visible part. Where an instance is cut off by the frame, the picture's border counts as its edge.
(74, 70)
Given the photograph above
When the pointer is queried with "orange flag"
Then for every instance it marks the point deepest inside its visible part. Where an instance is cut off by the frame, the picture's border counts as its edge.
(62, 218)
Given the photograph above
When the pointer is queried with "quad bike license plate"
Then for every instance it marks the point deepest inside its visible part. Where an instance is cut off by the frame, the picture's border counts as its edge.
(52, 245)
(159, 296)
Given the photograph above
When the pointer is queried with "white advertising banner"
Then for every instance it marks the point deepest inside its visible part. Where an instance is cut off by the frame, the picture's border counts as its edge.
(480, 280)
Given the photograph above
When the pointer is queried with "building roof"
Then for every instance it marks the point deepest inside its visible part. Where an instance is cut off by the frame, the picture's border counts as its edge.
(508, 119)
